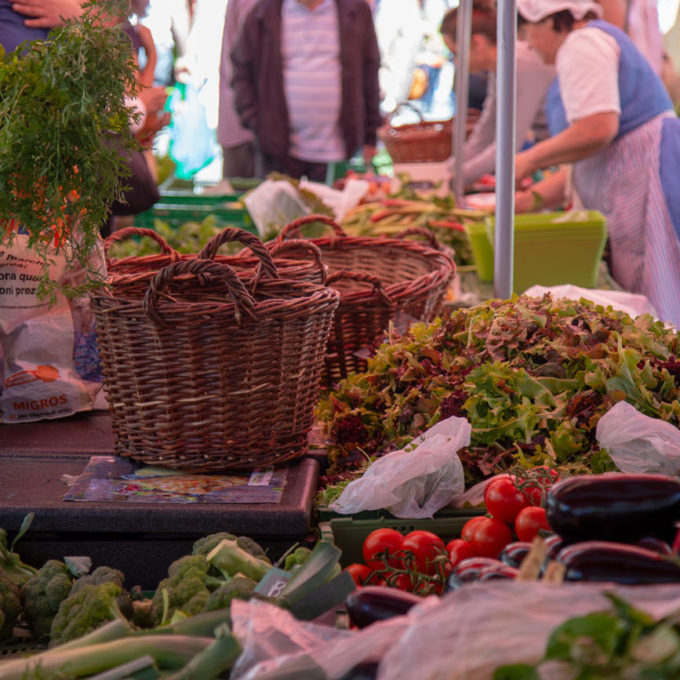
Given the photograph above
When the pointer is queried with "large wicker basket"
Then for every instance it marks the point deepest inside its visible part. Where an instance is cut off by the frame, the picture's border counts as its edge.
(381, 280)
(131, 275)
(203, 374)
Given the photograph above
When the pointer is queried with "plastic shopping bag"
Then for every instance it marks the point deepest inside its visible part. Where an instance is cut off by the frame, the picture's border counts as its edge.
(416, 481)
(638, 443)
(49, 365)
(192, 142)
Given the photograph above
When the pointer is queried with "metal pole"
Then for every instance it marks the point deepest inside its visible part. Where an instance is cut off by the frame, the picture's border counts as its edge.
(505, 148)
(462, 70)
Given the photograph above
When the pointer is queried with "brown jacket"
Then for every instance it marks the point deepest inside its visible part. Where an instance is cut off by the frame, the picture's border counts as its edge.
(257, 80)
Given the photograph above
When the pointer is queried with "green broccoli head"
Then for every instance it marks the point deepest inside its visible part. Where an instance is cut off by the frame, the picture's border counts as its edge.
(107, 575)
(253, 547)
(240, 588)
(84, 610)
(10, 605)
(42, 594)
(204, 545)
(11, 563)
(186, 588)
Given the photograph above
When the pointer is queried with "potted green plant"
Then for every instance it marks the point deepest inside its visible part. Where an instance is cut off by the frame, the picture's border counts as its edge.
(64, 121)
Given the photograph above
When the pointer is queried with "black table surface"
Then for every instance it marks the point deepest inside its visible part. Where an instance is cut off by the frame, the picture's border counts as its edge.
(139, 538)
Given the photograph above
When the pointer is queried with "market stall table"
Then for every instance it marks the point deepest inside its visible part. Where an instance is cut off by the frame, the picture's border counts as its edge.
(141, 539)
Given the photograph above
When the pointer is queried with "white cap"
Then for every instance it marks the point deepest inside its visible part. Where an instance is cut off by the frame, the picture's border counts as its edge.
(537, 10)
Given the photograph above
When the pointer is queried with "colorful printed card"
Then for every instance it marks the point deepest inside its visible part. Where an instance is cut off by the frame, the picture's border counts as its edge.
(110, 478)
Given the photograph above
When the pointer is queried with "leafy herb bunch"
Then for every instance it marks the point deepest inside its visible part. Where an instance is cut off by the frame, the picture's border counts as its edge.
(532, 375)
(63, 125)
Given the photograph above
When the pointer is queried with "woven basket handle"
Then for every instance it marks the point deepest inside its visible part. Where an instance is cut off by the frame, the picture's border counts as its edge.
(243, 300)
(128, 232)
(362, 277)
(280, 247)
(230, 234)
(421, 231)
(293, 228)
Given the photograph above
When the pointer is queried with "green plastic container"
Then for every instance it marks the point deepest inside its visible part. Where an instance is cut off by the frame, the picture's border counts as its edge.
(349, 533)
(176, 209)
(550, 249)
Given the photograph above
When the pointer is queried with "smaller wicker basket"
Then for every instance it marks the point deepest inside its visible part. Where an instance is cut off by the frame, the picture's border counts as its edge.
(202, 373)
(380, 280)
(421, 142)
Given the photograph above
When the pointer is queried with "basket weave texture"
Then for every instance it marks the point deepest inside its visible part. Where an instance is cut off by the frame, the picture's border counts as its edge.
(202, 373)
(381, 280)
(421, 142)
(132, 275)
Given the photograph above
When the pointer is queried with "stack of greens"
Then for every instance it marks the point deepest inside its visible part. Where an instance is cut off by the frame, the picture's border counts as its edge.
(532, 375)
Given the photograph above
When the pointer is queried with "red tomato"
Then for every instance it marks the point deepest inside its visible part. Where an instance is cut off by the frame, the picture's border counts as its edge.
(425, 547)
(490, 537)
(530, 521)
(469, 527)
(401, 581)
(504, 500)
(458, 550)
(537, 491)
(362, 574)
(381, 545)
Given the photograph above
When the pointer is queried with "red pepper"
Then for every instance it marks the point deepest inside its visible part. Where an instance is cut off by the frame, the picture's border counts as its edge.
(447, 224)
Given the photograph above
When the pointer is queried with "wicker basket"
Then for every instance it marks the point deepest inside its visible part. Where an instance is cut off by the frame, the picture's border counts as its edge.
(202, 374)
(131, 276)
(381, 280)
(421, 142)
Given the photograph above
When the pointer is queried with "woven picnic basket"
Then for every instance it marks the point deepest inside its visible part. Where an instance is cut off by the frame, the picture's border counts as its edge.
(131, 275)
(381, 280)
(420, 142)
(202, 373)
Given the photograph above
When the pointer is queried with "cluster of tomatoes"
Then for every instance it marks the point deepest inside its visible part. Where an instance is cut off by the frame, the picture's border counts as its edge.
(421, 561)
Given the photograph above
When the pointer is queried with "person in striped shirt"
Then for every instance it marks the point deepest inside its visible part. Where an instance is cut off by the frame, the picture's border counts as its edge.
(305, 81)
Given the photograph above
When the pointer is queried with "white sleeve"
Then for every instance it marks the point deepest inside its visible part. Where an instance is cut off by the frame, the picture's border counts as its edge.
(588, 69)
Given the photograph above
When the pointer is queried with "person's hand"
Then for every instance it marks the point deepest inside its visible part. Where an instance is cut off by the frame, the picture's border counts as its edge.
(524, 201)
(48, 13)
(524, 167)
(369, 153)
(153, 98)
(152, 124)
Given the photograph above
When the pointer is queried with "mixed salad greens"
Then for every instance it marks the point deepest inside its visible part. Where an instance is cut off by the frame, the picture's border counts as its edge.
(532, 375)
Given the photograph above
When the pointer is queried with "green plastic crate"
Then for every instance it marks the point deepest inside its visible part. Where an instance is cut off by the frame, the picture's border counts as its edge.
(177, 209)
(550, 249)
(349, 533)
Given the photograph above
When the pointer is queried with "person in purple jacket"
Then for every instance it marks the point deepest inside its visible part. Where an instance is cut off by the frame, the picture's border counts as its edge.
(613, 124)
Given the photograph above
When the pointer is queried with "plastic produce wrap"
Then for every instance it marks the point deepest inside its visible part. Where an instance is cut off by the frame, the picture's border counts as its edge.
(416, 481)
(277, 646)
(638, 443)
(474, 630)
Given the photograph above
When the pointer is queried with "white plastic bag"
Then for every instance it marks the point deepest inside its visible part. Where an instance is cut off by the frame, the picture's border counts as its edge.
(273, 204)
(339, 201)
(476, 629)
(414, 482)
(49, 365)
(638, 443)
(631, 303)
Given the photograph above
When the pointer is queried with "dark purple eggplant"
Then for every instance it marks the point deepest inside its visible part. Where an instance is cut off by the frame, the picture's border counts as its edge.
(617, 563)
(369, 604)
(514, 553)
(614, 507)
(493, 573)
(468, 570)
(654, 544)
(553, 545)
